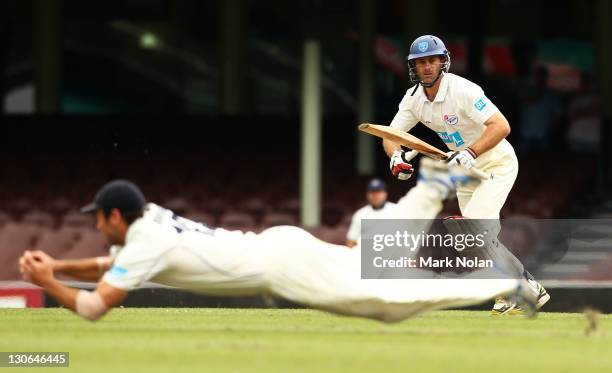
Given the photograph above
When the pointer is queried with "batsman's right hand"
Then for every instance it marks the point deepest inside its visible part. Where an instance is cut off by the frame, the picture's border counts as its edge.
(400, 168)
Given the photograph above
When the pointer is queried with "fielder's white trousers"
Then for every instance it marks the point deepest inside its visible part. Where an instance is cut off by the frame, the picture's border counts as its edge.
(308, 271)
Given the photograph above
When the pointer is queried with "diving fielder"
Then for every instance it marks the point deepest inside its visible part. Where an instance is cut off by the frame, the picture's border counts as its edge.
(475, 132)
(153, 244)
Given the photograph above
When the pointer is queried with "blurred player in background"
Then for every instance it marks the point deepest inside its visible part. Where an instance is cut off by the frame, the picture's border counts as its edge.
(377, 208)
(473, 129)
(151, 243)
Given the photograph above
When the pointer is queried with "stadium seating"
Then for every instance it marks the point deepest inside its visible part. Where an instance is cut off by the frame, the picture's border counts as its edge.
(201, 217)
(48, 218)
(237, 221)
(38, 218)
(4, 218)
(278, 218)
(254, 206)
(180, 205)
(78, 219)
(14, 239)
(90, 243)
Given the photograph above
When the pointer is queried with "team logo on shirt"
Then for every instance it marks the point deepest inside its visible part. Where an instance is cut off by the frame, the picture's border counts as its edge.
(118, 271)
(423, 46)
(452, 138)
(481, 104)
(451, 119)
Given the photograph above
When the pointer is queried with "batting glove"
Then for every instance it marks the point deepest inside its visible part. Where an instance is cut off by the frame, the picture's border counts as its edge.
(400, 168)
(465, 158)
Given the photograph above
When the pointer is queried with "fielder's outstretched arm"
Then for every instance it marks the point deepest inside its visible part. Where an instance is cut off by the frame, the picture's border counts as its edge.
(89, 304)
(86, 269)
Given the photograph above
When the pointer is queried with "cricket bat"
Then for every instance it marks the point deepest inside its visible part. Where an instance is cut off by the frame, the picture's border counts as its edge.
(414, 143)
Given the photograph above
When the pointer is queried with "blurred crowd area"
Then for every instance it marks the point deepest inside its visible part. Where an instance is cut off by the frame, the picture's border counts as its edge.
(40, 205)
(199, 102)
(185, 57)
(545, 119)
(550, 102)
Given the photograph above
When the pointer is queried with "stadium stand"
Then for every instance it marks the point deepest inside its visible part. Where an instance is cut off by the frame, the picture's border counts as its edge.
(48, 218)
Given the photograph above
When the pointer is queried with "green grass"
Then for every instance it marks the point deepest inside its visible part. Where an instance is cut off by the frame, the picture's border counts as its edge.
(232, 340)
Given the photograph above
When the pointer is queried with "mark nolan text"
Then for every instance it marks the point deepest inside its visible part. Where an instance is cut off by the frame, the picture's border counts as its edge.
(459, 262)
(429, 262)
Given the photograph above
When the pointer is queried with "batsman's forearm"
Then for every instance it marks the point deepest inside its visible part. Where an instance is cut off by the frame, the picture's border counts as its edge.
(390, 147)
(496, 130)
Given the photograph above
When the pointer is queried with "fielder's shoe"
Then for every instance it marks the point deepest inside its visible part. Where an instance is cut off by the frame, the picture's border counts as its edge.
(505, 306)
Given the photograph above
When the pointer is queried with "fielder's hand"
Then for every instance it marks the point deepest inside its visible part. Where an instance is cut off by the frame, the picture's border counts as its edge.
(44, 258)
(400, 168)
(36, 269)
(465, 158)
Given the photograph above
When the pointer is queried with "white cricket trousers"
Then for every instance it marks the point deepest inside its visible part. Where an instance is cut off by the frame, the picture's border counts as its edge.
(485, 199)
(306, 270)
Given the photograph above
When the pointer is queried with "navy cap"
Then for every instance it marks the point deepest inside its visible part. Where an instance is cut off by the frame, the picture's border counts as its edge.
(376, 185)
(122, 195)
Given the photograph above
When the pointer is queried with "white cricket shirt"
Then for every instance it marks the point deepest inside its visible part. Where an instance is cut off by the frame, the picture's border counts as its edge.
(457, 114)
(368, 212)
(164, 248)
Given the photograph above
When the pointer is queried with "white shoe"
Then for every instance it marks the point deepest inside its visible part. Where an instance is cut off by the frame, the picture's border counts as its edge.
(537, 288)
(543, 296)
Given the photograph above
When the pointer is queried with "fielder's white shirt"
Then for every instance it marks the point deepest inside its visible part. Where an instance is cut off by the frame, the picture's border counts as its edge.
(457, 114)
(368, 212)
(164, 248)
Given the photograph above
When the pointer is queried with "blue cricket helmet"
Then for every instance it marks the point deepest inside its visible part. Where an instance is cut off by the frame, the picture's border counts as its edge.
(425, 46)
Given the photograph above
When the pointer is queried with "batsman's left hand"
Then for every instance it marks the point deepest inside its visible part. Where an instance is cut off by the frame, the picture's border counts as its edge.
(400, 168)
(465, 158)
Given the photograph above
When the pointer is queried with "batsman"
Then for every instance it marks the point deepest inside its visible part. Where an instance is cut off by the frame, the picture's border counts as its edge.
(474, 130)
